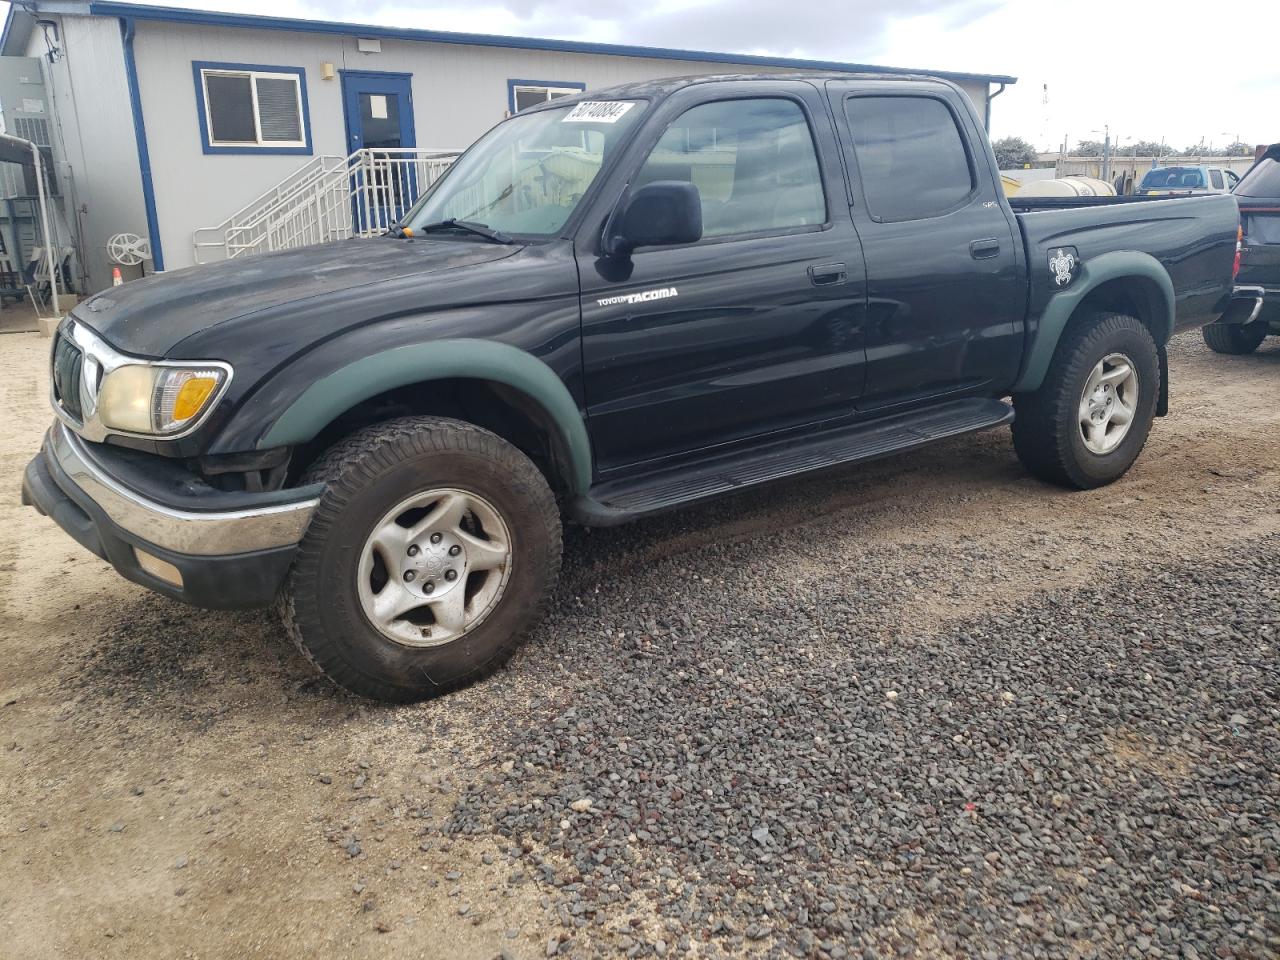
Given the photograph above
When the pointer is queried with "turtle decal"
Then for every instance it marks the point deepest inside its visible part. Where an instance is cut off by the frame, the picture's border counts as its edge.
(1062, 265)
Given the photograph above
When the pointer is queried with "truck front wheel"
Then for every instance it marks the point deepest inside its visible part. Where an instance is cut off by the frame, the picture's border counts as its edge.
(429, 557)
(1090, 418)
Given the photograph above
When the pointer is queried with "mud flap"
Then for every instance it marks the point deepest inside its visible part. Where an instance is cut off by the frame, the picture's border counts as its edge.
(1162, 405)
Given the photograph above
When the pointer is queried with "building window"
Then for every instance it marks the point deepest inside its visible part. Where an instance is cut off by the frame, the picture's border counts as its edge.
(252, 109)
(528, 93)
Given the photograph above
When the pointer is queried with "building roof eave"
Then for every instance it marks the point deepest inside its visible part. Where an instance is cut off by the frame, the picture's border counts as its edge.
(107, 8)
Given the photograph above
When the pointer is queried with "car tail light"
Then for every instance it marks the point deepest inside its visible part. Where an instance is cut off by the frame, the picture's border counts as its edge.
(1235, 266)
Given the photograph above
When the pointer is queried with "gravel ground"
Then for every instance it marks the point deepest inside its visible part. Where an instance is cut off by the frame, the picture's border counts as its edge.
(1089, 773)
(928, 708)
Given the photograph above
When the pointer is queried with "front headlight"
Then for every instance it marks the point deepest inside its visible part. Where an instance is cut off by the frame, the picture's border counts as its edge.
(158, 400)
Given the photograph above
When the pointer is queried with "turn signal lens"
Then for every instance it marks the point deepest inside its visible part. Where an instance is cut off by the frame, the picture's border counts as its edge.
(1235, 266)
(192, 396)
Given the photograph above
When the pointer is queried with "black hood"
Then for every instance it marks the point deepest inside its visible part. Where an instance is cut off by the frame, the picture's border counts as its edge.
(149, 317)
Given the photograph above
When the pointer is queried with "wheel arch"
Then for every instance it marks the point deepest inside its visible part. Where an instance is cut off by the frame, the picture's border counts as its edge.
(427, 373)
(1128, 282)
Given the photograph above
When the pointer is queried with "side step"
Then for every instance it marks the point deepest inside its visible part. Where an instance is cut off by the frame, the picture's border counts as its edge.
(619, 501)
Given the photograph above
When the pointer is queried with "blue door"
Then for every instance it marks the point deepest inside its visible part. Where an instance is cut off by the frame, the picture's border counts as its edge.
(379, 117)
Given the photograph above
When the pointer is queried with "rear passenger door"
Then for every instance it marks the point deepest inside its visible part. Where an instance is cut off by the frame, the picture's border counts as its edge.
(945, 279)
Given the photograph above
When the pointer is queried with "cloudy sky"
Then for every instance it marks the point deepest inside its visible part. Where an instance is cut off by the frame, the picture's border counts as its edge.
(1173, 69)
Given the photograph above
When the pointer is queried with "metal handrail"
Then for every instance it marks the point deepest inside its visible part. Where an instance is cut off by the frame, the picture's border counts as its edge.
(328, 198)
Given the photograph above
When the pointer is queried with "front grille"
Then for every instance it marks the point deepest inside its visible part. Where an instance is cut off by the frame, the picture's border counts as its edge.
(68, 363)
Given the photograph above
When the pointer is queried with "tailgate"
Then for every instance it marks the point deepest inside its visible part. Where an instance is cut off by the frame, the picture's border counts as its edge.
(1260, 254)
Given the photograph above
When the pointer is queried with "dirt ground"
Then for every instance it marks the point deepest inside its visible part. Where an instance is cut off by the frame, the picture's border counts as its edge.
(177, 783)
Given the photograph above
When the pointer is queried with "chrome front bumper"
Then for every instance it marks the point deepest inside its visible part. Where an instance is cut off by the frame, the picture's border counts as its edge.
(217, 549)
(193, 532)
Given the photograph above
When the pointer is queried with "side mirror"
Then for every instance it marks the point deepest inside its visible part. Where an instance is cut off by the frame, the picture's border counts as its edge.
(658, 214)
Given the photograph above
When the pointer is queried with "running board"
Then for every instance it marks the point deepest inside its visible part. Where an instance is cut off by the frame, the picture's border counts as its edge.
(619, 501)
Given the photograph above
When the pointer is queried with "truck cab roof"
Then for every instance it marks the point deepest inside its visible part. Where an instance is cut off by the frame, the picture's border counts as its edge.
(663, 87)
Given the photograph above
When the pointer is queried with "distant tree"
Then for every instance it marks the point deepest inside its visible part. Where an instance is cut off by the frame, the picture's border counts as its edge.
(1238, 149)
(1013, 153)
(1147, 148)
(1086, 148)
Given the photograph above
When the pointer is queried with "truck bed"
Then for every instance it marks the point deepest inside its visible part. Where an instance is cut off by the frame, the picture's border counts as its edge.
(1194, 238)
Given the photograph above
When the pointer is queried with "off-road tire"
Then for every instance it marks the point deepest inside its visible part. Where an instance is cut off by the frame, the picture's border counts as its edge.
(365, 475)
(1234, 338)
(1046, 431)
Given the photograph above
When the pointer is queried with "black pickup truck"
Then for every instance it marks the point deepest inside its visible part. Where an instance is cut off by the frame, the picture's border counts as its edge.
(610, 306)
(1254, 312)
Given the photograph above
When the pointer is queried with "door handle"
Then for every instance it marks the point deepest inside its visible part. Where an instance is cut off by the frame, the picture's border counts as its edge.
(828, 274)
(984, 249)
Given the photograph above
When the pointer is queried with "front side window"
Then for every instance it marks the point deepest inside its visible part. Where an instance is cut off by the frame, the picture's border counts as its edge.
(753, 162)
(252, 108)
(530, 93)
(911, 156)
(528, 174)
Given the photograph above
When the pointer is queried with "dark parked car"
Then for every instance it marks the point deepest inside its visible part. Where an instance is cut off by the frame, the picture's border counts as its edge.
(1255, 313)
(610, 306)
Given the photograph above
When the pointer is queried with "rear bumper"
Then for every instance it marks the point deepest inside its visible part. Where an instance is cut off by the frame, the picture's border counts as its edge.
(1245, 305)
(204, 547)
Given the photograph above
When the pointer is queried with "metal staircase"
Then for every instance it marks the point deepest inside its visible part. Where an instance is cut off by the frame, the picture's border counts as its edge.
(329, 198)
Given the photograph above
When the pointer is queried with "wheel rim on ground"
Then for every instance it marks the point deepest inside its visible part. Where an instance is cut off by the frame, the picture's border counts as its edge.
(1109, 403)
(434, 567)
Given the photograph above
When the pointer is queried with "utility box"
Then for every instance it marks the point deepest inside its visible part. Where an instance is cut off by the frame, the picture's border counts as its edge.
(25, 111)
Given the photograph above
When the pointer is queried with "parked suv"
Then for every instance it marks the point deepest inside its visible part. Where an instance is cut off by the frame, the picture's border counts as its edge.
(1255, 315)
(610, 306)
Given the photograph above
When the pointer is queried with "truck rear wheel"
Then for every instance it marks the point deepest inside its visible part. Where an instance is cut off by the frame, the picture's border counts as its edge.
(428, 559)
(1234, 338)
(1090, 418)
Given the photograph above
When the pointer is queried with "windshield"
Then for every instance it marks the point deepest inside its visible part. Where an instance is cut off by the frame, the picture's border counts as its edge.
(528, 174)
(1262, 181)
(1173, 178)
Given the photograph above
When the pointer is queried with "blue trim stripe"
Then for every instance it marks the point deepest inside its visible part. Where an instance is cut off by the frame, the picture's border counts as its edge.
(268, 150)
(140, 135)
(374, 73)
(211, 18)
(562, 84)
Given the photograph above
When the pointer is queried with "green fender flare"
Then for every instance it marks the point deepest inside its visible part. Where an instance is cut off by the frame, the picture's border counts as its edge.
(326, 399)
(1121, 265)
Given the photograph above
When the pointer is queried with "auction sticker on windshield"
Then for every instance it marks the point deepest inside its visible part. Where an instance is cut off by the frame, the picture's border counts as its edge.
(598, 111)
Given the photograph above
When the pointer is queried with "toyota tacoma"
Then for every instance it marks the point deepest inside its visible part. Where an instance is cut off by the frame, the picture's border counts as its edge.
(611, 305)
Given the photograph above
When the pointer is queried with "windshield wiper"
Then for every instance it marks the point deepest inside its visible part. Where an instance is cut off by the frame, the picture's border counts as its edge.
(470, 226)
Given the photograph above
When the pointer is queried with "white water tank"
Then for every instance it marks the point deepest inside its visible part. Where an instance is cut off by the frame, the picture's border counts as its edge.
(1068, 187)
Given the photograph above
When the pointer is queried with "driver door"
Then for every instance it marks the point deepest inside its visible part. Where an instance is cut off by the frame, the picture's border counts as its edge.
(755, 328)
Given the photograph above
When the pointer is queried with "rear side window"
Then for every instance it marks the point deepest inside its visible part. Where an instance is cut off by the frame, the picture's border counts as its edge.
(1262, 181)
(753, 162)
(911, 156)
(1173, 178)
(1215, 177)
